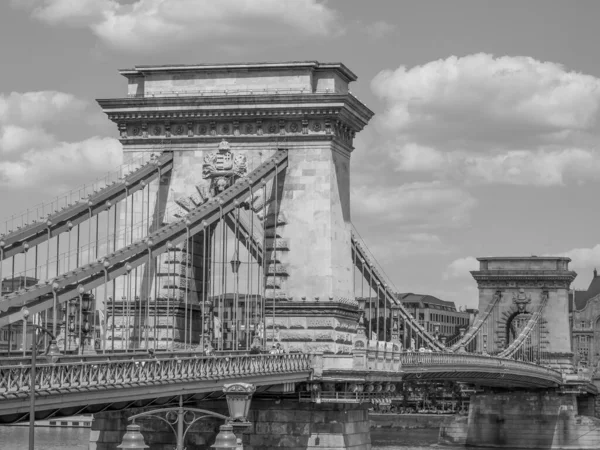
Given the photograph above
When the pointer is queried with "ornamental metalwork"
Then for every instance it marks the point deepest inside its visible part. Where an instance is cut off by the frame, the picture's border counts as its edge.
(107, 374)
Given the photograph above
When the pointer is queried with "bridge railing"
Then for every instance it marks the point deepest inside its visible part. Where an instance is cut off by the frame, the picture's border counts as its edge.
(104, 373)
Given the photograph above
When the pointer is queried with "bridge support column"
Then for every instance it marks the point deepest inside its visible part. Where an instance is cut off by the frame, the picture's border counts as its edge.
(292, 424)
(546, 420)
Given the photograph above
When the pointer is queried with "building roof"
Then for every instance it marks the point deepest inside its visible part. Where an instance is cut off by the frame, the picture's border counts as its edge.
(582, 297)
(425, 300)
(250, 66)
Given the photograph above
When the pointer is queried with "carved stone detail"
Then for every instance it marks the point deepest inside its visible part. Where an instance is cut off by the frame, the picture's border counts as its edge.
(223, 168)
(521, 300)
(304, 126)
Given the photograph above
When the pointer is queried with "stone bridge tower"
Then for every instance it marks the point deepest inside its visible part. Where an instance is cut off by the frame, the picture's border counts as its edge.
(520, 287)
(305, 107)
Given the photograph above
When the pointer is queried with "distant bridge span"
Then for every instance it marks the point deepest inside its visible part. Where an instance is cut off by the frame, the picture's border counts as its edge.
(477, 369)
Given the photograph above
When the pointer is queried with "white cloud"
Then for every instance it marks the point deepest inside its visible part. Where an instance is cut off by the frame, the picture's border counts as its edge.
(152, 24)
(63, 165)
(583, 258)
(426, 205)
(541, 167)
(36, 108)
(460, 268)
(482, 119)
(511, 91)
(14, 138)
(31, 155)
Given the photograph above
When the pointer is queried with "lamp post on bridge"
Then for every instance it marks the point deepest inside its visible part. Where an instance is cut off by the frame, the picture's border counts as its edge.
(235, 268)
(52, 351)
(239, 396)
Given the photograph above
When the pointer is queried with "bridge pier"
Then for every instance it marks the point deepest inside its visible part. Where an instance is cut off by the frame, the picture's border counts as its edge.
(285, 423)
(298, 425)
(540, 420)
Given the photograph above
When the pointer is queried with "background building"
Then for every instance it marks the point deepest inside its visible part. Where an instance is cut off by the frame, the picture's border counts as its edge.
(436, 315)
(11, 336)
(584, 312)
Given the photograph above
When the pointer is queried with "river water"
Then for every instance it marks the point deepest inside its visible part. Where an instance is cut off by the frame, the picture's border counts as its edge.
(58, 438)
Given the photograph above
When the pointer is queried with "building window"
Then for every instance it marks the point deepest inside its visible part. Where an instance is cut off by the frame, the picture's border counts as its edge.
(583, 348)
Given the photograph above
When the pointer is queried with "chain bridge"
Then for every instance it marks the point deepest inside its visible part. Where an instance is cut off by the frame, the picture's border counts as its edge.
(222, 249)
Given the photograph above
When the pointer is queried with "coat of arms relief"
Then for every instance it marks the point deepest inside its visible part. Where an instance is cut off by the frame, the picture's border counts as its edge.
(223, 168)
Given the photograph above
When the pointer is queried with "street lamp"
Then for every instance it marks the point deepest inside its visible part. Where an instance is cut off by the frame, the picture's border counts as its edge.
(86, 328)
(361, 310)
(52, 351)
(239, 396)
(133, 439)
(235, 263)
(235, 268)
(225, 439)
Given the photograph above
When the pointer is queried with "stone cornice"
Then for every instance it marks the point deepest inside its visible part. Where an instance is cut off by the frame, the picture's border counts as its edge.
(516, 279)
(276, 130)
(343, 107)
(519, 275)
(316, 309)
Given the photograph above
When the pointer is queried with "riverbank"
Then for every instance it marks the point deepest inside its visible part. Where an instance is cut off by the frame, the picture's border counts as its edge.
(67, 422)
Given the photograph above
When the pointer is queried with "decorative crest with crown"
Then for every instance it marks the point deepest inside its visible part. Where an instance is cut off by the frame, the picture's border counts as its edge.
(223, 168)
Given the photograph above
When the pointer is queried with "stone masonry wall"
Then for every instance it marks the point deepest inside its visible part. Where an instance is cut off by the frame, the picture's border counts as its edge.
(523, 420)
(302, 426)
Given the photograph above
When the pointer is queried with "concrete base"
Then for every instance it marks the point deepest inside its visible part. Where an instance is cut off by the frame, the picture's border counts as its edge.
(294, 425)
(522, 420)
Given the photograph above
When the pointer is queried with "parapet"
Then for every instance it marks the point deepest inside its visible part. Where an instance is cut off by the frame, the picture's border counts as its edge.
(294, 77)
(524, 263)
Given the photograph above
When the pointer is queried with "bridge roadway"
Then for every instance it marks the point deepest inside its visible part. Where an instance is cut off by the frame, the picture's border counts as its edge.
(87, 384)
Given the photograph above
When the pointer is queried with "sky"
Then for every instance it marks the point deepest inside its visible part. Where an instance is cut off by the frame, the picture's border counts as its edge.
(484, 140)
